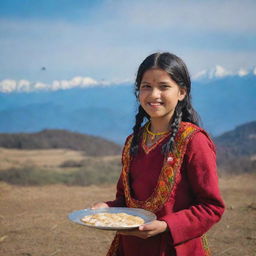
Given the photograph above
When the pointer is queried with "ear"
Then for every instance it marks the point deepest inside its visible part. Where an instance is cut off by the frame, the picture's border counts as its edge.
(182, 94)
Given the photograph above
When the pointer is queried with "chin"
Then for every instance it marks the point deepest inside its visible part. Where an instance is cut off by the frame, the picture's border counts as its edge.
(156, 116)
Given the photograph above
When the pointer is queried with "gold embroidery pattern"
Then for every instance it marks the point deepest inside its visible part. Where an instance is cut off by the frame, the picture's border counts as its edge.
(150, 148)
(169, 174)
(205, 244)
(114, 246)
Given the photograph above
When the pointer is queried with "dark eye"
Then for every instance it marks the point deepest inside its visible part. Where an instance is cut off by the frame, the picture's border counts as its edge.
(165, 86)
(144, 86)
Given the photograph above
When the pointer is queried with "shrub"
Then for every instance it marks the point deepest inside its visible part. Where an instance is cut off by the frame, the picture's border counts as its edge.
(92, 172)
(71, 163)
(97, 173)
(30, 175)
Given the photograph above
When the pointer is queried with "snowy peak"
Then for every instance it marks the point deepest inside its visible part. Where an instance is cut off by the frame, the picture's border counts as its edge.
(10, 85)
(243, 72)
(219, 72)
(254, 71)
(23, 85)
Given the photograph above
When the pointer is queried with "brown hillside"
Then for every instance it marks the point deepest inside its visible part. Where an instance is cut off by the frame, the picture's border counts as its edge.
(236, 149)
(60, 139)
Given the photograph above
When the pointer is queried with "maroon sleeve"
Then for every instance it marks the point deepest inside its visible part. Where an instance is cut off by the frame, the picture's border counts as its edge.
(120, 199)
(200, 167)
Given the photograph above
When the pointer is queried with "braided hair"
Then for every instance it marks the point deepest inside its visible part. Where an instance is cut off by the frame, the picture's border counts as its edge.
(184, 111)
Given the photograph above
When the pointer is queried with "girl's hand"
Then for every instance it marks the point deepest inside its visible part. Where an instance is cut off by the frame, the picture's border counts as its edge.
(145, 231)
(99, 205)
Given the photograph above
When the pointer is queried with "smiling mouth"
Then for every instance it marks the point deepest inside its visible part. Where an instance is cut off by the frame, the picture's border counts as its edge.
(155, 104)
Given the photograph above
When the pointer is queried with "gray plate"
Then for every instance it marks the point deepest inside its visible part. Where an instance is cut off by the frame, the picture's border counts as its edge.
(76, 216)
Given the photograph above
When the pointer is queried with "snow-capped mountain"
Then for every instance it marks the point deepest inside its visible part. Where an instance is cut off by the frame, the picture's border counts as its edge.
(223, 102)
(10, 85)
(220, 72)
(23, 85)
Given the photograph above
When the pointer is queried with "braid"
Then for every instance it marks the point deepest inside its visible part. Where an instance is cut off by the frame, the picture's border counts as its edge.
(136, 130)
(189, 114)
(169, 146)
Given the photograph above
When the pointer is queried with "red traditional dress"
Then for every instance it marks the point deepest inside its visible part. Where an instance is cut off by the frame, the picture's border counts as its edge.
(181, 189)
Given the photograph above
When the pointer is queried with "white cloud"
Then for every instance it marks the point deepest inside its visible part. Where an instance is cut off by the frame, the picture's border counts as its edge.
(113, 40)
(225, 15)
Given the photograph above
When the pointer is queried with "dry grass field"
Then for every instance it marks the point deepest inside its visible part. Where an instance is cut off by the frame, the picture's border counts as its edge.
(33, 219)
(44, 158)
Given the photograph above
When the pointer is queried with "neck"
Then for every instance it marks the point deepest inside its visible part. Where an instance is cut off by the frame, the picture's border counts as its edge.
(159, 125)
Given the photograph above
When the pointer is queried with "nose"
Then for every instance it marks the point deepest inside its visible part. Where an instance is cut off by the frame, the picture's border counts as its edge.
(155, 93)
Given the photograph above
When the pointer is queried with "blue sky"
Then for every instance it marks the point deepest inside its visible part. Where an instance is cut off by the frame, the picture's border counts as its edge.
(106, 40)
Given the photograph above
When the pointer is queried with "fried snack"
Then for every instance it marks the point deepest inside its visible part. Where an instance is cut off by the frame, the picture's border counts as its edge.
(113, 220)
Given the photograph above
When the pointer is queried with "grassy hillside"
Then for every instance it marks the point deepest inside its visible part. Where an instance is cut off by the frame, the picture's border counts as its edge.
(236, 150)
(55, 166)
(236, 153)
(59, 139)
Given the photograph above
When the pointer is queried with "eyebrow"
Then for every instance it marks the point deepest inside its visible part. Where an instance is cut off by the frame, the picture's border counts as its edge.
(162, 82)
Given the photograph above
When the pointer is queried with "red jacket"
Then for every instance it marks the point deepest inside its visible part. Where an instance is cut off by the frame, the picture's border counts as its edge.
(181, 190)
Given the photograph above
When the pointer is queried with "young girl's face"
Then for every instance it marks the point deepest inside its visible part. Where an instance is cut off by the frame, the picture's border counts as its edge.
(159, 94)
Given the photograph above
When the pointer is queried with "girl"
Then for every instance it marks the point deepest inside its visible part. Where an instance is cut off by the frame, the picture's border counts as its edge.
(169, 167)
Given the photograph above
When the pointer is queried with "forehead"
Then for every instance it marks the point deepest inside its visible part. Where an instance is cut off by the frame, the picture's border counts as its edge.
(156, 75)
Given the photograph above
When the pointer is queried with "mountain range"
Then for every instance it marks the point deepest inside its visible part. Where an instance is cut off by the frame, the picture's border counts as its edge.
(220, 72)
(223, 103)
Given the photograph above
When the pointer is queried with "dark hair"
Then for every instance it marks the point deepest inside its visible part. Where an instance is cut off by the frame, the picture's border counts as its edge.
(184, 111)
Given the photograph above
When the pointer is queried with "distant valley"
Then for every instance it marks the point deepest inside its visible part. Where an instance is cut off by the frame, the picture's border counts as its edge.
(108, 111)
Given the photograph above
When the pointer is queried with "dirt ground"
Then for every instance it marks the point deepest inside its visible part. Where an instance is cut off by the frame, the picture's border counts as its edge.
(33, 220)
